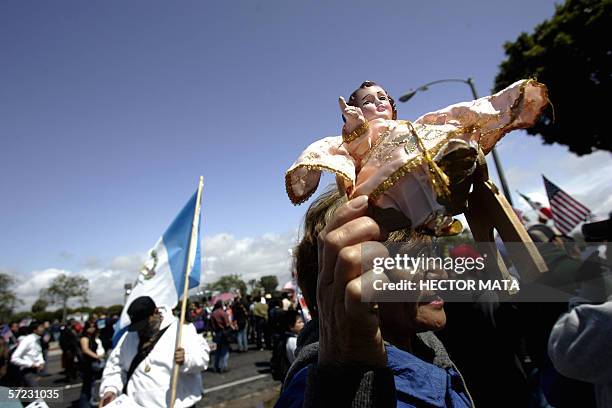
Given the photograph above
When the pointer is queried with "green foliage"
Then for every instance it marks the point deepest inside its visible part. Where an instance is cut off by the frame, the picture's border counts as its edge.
(100, 310)
(40, 305)
(572, 54)
(65, 287)
(228, 283)
(40, 316)
(254, 286)
(269, 283)
(114, 310)
(8, 300)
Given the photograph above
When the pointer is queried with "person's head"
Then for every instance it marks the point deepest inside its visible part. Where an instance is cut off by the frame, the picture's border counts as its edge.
(427, 313)
(36, 327)
(145, 318)
(70, 323)
(541, 233)
(23, 331)
(305, 254)
(374, 101)
(14, 326)
(294, 321)
(218, 304)
(90, 329)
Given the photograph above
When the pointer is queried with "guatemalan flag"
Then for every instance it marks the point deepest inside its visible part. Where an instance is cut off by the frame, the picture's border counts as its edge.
(162, 277)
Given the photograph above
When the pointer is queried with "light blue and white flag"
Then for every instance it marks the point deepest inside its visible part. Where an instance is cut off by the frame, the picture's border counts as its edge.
(162, 277)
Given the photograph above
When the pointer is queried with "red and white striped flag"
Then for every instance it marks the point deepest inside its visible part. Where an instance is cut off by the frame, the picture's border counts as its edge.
(566, 211)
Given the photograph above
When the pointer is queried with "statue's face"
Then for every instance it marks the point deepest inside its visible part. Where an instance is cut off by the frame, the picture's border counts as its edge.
(374, 103)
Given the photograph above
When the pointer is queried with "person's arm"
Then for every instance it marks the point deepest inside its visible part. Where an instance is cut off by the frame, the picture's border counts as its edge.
(86, 350)
(226, 321)
(114, 374)
(196, 351)
(579, 344)
(351, 369)
(18, 357)
(516, 107)
(290, 348)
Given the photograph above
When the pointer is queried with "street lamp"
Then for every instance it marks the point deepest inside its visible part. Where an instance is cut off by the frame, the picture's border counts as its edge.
(498, 167)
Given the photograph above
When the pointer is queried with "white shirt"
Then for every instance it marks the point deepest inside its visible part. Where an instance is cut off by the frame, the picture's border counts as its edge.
(290, 348)
(150, 383)
(29, 352)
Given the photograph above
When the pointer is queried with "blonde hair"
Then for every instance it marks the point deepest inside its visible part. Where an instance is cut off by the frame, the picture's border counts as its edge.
(305, 253)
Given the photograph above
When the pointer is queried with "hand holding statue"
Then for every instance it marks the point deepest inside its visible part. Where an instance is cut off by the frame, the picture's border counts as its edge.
(349, 330)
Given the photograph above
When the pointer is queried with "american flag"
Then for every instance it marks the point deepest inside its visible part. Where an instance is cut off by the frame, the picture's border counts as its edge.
(566, 211)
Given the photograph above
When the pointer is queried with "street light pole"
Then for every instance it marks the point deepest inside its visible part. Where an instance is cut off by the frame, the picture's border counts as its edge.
(496, 161)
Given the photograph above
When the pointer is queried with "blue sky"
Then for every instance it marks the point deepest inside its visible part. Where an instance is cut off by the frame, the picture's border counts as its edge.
(109, 112)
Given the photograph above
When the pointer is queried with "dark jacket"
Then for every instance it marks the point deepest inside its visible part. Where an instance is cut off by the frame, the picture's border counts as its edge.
(240, 314)
(492, 346)
(431, 379)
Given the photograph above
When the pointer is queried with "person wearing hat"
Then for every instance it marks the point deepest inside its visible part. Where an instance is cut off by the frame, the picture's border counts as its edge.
(141, 364)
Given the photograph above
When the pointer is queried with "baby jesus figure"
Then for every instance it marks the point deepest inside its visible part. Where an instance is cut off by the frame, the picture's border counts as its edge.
(418, 173)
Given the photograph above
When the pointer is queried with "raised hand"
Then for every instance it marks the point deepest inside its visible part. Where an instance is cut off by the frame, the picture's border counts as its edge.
(349, 328)
(353, 115)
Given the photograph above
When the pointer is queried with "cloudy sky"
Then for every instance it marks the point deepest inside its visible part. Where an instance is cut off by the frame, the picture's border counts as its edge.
(111, 110)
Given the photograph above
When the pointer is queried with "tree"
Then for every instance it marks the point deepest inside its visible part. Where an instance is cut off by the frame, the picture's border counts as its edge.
(63, 288)
(572, 54)
(228, 283)
(115, 310)
(40, 305)
(254, 286)
(269, 283)
(100, 310)
(8, 299)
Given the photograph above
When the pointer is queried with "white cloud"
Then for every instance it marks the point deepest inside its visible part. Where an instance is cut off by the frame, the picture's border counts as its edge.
(586, 178)
(252, 258)
(105, 285)
(28, 289)
(223, 254)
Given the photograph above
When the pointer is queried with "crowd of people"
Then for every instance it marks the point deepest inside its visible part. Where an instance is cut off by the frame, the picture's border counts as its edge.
(24, 351)
(268, 322)
(86, 347)
(550, 355)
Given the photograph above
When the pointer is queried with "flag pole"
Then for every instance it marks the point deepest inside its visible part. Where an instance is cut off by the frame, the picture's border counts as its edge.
(188, 268)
